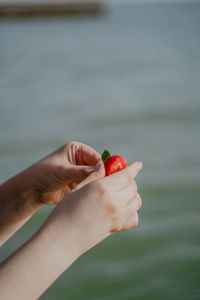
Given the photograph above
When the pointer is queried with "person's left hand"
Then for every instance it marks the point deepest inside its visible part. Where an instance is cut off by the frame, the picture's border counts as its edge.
(57, 174)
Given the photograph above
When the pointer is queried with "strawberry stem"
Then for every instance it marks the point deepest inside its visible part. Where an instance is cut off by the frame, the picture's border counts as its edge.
(105, 155)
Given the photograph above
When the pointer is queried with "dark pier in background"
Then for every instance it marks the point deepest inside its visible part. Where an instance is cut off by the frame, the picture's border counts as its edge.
(51, 9)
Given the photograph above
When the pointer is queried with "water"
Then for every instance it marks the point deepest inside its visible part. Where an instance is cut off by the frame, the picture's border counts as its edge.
(129, 81)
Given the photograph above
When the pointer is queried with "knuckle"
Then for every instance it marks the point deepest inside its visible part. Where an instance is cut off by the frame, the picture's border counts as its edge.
(72, 143)
(135, 221)
(113, 210)
(129, 178)
(101, 186)
(116, 226)
(115, 229)
(125, 227)
(139, 201)
(135, 186)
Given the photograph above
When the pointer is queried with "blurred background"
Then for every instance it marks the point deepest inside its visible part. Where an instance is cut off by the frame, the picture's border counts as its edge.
(128, 80)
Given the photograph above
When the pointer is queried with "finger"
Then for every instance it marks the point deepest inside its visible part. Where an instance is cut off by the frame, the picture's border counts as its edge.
(125, 176)
(98, 173)
(130, 184)
(139, 201)
(79, 173)
(132, 222)
(133, 205)
(127, 193)
(83, 154)
(132, 170)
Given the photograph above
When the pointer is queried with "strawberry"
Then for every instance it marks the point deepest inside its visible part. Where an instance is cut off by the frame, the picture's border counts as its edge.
(112, 163)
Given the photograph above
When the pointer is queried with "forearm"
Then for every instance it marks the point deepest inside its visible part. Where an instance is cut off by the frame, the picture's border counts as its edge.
(17, 204)
(37, 264)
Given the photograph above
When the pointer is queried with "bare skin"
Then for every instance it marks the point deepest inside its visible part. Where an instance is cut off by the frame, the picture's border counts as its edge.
(97, 207)
(45, 182)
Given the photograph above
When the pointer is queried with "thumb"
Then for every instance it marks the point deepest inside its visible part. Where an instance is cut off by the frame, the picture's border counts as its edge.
(78, 173)
(98, 172)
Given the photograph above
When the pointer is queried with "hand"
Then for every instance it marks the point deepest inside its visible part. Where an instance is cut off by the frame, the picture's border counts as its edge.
(96, 210)
(45, 182)
(60, 172)
(82, 219)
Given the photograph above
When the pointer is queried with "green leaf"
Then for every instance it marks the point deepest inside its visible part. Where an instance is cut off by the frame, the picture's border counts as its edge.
(105, 155)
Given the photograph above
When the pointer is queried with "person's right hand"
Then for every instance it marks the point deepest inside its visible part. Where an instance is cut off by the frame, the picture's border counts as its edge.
(92, 212)
(82, 219)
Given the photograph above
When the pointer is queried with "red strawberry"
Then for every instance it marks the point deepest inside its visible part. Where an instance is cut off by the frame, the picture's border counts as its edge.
(112, 163)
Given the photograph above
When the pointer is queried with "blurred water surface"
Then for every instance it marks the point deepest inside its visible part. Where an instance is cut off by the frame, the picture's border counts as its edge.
(129, 81)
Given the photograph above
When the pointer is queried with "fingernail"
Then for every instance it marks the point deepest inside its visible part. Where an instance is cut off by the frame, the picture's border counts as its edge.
(139, 165)
(98, 164)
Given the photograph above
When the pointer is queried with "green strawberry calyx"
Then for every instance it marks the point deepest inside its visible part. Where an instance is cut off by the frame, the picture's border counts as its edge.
(105, 155)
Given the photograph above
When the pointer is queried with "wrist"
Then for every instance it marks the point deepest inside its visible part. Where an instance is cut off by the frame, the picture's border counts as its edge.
(72, 235)
(17, 205)
(61, 236)
(19, 193)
